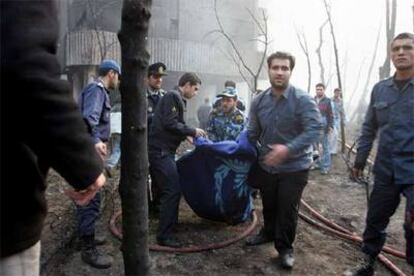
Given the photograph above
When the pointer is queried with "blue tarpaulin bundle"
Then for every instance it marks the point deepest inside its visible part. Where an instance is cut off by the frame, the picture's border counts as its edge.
(213, 179)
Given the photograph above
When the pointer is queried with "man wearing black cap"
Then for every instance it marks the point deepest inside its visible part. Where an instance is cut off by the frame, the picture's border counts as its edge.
(95, 107)
(154, 93)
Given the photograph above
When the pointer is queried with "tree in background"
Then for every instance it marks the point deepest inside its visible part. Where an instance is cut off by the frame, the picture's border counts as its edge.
(390, 17)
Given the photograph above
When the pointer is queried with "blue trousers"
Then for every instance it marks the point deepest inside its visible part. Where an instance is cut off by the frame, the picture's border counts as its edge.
(88, 215)
(383, 203)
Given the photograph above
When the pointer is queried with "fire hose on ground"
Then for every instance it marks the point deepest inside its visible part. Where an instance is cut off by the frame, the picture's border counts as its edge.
(348, 235)
(192, 249)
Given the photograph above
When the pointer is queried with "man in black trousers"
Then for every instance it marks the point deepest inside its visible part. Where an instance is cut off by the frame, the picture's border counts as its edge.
(168, 131)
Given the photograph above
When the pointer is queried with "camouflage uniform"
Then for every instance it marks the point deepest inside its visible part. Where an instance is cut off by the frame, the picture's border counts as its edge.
(225, 126)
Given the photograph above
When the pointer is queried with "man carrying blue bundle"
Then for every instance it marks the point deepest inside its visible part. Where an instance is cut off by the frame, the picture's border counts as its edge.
(284, 121)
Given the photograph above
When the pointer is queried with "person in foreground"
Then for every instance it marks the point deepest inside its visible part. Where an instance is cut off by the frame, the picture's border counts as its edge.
(41, 127)
(390, 115)
(284, 122)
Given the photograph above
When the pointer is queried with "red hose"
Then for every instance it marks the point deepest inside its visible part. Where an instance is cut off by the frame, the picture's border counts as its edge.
(335, 226)
(117, 233)
(353, 238)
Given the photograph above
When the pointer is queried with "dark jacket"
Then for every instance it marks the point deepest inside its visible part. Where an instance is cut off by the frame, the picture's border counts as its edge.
(41, 125)
(168, 128)
(96, 111)
(325, 108)
(390, 116)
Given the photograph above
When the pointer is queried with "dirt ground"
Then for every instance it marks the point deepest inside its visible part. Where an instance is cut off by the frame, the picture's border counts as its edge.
(316, 252)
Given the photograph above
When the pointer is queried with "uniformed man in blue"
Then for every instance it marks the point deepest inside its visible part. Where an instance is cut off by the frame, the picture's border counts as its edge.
(168, 131)
(95, 107)
(390, 117)
(226, 122)
(155, 92)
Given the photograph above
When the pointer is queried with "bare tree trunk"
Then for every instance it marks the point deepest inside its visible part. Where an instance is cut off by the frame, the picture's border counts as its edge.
(304, 45)
(319, 53)
(238, 58)
(365, 91)
(134, 157)
(338, 71)
(385, 69)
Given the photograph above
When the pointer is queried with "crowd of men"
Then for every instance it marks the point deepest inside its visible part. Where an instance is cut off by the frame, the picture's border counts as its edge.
(284, 123)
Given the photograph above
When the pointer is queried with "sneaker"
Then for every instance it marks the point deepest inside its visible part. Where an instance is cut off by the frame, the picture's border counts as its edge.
(287, 260)
(324, 172)
(260, 238)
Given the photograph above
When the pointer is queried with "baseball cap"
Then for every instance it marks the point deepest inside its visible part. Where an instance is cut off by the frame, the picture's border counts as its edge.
(110, 64)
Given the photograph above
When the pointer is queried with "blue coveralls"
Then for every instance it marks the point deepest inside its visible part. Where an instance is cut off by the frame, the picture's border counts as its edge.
(390, 115)
(95, 107)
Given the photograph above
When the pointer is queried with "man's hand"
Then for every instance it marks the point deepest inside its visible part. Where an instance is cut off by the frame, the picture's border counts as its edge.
(277, 155)
(200, 132)
(83, 197)
(356, 174)
(101, 149)
(190, 139)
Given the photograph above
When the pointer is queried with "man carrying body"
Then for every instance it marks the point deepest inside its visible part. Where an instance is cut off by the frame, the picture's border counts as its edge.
(284, 121)
(325, 107)
(227, 122)
(95, 107)
(168, 131)
(390, 114)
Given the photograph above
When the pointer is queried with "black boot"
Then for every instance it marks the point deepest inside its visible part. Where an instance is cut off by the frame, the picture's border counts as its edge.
(92, 256)
(260, 238)
(366, 267)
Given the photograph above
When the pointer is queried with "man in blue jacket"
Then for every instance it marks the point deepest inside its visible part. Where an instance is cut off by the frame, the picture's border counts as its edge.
(95, 107)
(284, 121)
(390, 115)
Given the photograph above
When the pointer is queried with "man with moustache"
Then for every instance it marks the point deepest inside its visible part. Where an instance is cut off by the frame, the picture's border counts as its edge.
(284, 121)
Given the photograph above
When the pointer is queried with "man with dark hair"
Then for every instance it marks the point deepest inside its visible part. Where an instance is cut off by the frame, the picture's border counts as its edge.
(95, 108)
(156, 72)
(41, 127)
(284, 121)
(168, 131)
(325, 108)
(390, 115)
